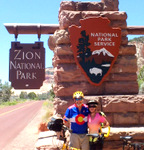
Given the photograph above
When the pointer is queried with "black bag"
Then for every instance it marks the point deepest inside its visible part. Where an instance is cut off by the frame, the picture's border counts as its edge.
(55, 124)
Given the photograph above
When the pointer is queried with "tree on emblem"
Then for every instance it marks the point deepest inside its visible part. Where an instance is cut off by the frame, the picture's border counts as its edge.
(83, 50)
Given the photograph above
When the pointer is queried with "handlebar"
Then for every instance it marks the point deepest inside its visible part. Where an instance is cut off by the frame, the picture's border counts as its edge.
(65, 128)
(94, 135)
(97, 135)
(107, 134)
(127, 141)
(72, 148)
(126, 138)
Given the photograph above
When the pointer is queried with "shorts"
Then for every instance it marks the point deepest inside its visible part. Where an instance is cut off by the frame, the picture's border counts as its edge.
(98, 145)
(80, 141)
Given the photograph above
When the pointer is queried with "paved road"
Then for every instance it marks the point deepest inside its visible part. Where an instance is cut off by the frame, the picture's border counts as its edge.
(14, 119)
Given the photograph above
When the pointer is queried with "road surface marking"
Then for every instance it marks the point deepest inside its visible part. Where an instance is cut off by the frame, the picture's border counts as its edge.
(15, 109)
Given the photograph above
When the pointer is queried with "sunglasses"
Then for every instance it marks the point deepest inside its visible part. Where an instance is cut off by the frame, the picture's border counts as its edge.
(92, 106)
(78, 99)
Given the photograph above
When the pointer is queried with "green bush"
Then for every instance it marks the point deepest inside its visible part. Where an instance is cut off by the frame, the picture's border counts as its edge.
(51, 94)
(42, 96)
(32, 95)
(141, 80)
(23, 95)
(141, 89)
(141, 76)
(49, 108)
(6, 92)
(12, 102)
(0, 91)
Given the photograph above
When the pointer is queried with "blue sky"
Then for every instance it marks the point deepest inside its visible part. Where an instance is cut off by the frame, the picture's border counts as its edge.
(46, 12)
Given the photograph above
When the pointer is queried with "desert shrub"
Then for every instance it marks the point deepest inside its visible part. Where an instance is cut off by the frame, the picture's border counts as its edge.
(51, 94)
(32, 95)
(23, 95)
(42, 96)
(141, 80)
(141, 89)
(141, 76)
(0, 91)
(49, 109)
(6, 92)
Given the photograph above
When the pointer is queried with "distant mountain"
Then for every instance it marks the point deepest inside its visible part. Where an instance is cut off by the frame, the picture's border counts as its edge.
(101, 56)
(138, 39)
(49, 75)
(103, 51)
(139, 43)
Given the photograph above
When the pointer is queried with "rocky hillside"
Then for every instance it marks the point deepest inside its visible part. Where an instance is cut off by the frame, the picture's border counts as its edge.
(49, 80)
(139, 43)
(49, 75)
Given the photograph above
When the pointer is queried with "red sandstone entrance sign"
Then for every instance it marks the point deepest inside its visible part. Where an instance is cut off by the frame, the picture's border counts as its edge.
(27, 65)
(95, 45)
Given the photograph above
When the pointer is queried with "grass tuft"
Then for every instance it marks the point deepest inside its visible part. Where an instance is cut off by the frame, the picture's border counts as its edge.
(48, 106)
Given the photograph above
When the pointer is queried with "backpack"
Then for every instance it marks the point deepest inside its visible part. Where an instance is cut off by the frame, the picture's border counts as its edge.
(55, 124)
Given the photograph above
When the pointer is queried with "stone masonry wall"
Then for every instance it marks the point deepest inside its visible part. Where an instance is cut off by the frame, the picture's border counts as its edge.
(122, 79)
(68, 77)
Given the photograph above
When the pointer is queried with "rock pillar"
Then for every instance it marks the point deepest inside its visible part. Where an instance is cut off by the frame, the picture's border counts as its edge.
(68, 78)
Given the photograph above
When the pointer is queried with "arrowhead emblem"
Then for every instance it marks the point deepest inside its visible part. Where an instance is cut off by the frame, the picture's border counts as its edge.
(95, 45)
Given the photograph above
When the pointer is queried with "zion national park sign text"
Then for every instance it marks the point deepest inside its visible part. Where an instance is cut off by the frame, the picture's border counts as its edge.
(27, 65)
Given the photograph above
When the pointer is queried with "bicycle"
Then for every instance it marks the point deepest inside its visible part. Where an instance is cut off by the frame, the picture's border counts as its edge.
(64, 138)
(97, 139)
(127, 143)
(56, 124)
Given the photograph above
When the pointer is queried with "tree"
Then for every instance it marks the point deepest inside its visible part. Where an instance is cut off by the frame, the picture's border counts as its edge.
(0, 91)
(52, 95)
(32, 95)
(84, 51)
(141, 76)
(6, 92)
(141, 80)
(23, 95)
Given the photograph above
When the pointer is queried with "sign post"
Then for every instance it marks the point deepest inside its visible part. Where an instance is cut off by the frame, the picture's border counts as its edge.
(27, 65)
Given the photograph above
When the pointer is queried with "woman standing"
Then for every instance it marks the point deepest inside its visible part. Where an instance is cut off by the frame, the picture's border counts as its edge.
(95, 121)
